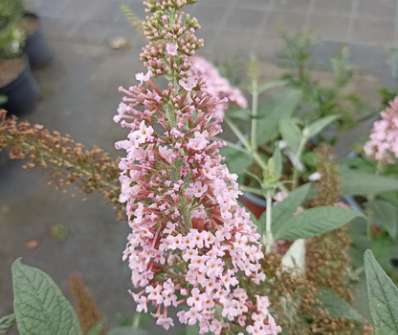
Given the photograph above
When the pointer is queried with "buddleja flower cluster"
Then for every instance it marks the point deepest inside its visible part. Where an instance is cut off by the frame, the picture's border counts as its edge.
(383, 143)
(192, 247)
(218, 86)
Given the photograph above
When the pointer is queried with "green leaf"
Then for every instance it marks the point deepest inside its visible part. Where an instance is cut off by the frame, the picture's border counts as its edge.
(384, 249)
(240, 114)
(127, 331)
(310, 159)
(39, 305)
(316, 127)
(6, 323)
(291, 133)
(383, 297)
(270, 85)
(314, 222)
(338, 307)
(360, 183)
(277, 163)
(385, 215)
(236, 160)
(192, 330)
(96, 330)
(284, 210)
(281, 105)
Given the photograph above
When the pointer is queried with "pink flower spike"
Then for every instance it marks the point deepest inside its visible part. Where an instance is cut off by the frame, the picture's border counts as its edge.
(191, 243)
(382, 145)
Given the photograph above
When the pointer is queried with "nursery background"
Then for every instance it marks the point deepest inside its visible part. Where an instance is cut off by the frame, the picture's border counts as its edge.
(96, 49)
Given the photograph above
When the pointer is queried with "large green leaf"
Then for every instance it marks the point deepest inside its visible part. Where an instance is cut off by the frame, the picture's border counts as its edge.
(314, 222)
(270, 85)
(338, 307)
(39, 305)
(284, 210)
(384, 214)
(291, 133)
(383, 297)
(359, 183)
(6, 323)
(281, 105)
(236, 160)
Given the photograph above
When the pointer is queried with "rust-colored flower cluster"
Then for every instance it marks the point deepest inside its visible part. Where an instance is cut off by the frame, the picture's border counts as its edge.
(85, 305)
(70, 163)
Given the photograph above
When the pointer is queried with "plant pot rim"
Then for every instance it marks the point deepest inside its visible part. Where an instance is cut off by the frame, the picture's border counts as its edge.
(32, 15)
(255, 199)
(28, 13)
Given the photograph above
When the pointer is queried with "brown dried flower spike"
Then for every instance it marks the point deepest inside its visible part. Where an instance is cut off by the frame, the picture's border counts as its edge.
(70, 163)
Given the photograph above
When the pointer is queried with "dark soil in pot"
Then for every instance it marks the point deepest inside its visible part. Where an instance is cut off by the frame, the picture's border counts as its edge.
(253, 203)
(18, 85)
(36, 47)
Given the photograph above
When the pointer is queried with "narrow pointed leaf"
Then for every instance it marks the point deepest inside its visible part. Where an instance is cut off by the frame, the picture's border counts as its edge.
(284, 210)
(360, 183)
(281, 105)
(290, 133)
(338, 307)
(6, 323)
(319, 125)
(277, 163)
(314, 222)
(270, 85)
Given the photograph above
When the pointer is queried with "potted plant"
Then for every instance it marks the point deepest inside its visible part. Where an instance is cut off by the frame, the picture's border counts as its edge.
(36, 47)
(276, 155)
(370, 181)
(193, 251)
(16, 81)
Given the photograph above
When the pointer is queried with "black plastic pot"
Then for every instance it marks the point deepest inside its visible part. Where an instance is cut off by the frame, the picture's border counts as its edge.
(36, 47)
(254, 203)
(22, 93)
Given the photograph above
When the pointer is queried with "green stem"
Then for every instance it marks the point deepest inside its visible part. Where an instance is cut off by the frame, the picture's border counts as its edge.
(371, 198)
(246, 144)
(236, 147)
(269, 239)
(136, 321)
(254, 114)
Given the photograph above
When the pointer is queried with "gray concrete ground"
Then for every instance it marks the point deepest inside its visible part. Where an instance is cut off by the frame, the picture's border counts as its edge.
(80, 96)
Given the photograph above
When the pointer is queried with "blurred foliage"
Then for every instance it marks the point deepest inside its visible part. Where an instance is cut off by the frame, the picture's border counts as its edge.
(12, 36)
(389, 93)
(319, 99)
